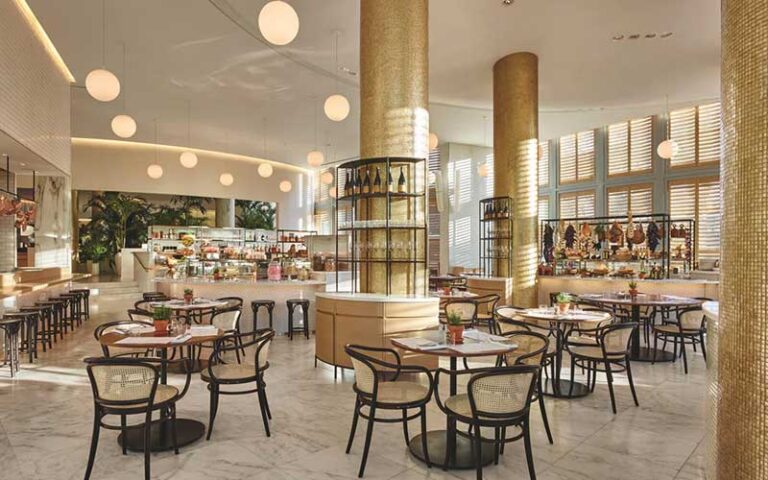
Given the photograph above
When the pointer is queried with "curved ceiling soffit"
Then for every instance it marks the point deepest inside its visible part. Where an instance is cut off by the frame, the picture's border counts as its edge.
(252, 30)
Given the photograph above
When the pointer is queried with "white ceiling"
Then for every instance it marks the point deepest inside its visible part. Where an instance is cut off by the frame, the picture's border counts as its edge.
(244, 93)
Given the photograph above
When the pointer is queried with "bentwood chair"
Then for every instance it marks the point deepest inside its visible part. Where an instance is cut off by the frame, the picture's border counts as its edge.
(688, 329)
(223, 371)
(486, 305)
(496, 398)
(373, 392)
(121, 326)
(610, 355)
(466, 308)
(129, 386)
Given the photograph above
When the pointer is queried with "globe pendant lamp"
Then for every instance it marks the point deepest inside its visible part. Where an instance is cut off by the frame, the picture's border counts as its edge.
(336, 107)
(155, 171)
(100, 83)
(482, 170)
(315, 158)
(265, 170)
(124, 126)
(278, 22)
(668, 148)
(188, 159)
(285, 186)
(326, 178)
(226, 179)
(433, 141)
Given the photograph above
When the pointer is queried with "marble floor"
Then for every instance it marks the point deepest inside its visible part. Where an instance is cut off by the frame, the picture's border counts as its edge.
(46, 422)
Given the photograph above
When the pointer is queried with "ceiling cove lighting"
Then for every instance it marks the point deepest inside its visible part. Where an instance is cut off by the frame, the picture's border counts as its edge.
(188, 159)
(44, 39)
(278, 22)
(154, 171)
(265, 170)
(226, 179)
(124, 126)
(285, 186)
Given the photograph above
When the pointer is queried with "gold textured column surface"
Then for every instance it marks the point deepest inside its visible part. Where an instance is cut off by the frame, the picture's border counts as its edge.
(394, 122)
(739, 375)
(515, 144)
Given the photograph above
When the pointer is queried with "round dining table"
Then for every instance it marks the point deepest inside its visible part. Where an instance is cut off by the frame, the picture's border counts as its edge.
(638, 353)
(188, 430)
(453, 295)
(459, 446)
(189, 310)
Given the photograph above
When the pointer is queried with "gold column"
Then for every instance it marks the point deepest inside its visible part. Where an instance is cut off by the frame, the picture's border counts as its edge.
(394, 116)
(738, 386)
(515, 143)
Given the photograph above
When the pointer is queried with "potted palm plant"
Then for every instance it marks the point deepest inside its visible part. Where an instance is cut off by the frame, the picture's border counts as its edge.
(633, 288)
(455, 327)
(563, 302)
(189, 295)
(161, 317)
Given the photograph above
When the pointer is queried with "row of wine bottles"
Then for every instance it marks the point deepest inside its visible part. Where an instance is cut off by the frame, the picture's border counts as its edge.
(498, 212)
(357, 183)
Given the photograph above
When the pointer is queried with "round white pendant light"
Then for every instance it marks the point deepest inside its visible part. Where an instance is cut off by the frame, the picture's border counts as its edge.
(285, 186)
(188, 159)
(102, 85)
(336, 107)
(433, 141)
(124, 126)
(482, 170)
(667, 149)
(278, 22)
(332, 192)
(326, 178)
(155, 171)
(315, 158)
(265, 170)
(226, 179)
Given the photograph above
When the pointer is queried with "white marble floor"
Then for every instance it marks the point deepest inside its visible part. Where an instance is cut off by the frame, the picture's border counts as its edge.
(46, 421)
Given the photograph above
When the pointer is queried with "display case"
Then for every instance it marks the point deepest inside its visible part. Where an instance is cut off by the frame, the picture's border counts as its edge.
(496, 237)
(382, 207)
(632, 246)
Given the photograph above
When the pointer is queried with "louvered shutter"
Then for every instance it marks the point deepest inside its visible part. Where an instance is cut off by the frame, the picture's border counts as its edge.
(637, 199)
(682, 129)
(577, 205)
(568, 158)
(618, 148)
(641, 145)
(543, 162)
(709, 133)
(708, 223)
(585, 155)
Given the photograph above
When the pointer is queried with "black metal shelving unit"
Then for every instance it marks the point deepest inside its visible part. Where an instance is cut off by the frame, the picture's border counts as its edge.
(386, 223)
(495, 236)
(283, 236)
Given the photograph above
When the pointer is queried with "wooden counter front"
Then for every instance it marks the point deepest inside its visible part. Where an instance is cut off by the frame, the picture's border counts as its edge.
(371, 320)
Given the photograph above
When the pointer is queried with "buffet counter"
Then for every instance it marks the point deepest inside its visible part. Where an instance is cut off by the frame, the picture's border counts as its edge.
(672, 286)
(250, 290)
(372, 320)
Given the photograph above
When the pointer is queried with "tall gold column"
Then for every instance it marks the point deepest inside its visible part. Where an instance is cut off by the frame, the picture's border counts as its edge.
(738, 377)
(394, 116)
(515, 143)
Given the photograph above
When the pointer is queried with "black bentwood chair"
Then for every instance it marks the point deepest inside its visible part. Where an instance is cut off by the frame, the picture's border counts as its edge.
(121, 326)
(690, 328)
(129, 386)
(497, 398)
(222, 372)
(375, 393)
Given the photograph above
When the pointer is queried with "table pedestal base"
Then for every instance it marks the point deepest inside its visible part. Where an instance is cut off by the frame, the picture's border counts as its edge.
(645, 354)
(161, 438)
(437, 443)
(563, 386)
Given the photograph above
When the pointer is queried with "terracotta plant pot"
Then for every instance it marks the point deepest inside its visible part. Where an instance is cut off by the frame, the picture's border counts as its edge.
(456, 333)
(188, 299)
(161, 326)
(633, 292)
(446, 290)
(562, 308)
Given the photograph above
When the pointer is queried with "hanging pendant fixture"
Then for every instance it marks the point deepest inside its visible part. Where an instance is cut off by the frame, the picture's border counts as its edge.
(188, 158)
(155, 171)
(278, 22)
(123, 125)
(336, 106)
(669, 147)
(315, 158)
(100, 83)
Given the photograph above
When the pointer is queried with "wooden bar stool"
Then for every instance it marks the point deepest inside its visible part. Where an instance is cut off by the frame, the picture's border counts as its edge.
(256, 306)
(45, 331)
(11, 327)
(85, 299)
(304, 304)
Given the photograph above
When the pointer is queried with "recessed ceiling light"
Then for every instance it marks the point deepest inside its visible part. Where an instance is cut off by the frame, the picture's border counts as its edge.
(23, 164)
(617, 38)
(666, 35)
(634, 36)
(507, 2)
(650, 35)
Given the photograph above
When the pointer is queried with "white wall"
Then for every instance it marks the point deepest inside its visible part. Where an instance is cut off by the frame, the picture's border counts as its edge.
(122, 166)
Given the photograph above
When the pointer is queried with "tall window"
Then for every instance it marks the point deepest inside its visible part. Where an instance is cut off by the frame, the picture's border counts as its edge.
(543, 164)
(577, 204)
(630, 147)
(696, 131)
(637, 199)
(699, 199)
(434, 213)
(577, 157)
(543, 212)
(489, 175)
(324, 204)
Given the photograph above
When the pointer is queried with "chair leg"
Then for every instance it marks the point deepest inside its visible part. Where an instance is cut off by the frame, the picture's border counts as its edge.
(424, 436)
(174, 430)
(123, 432)
(354, 424)
(594, 375)
(528, 450)
(503, 439)
(631, 382)
(95, 443)
(610, 384)
(496, 435)
(368, 435)
(703, 346)
(405, 427)
(544, 413)
(685, 356)
(478, 453)
(573, 370)
(655, 344)
(214, 407)
(147, 430)
(262, 406)
(266, 402)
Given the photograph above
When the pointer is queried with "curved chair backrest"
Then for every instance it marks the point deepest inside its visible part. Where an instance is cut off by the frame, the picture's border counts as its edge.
(365, 361)
(467, 309)
(232, 302)
(227, 320)
(140, 315)
(122, 381)
(531, 348)
(144, 305)
(237, 342)
(111, 327)
(487, 303)
(502, 392)
(615, 339)
(508, 320)
(691, 318)
(154, 296)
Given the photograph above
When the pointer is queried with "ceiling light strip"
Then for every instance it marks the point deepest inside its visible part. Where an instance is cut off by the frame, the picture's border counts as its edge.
(44, 39)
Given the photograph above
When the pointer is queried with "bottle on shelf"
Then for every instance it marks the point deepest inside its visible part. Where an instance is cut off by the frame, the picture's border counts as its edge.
(390, 182)
(358, 184)
(377, 182)
(347, 185)
(367, 182)
(401, 182)
(491, 211)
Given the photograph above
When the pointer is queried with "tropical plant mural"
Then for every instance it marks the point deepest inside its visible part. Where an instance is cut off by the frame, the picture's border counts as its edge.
(255, 214)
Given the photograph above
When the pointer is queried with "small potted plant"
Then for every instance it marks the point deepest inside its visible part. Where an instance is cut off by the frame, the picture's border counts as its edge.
(188, 295)
(216, 274)
(455, 328)
(563, 302)
(161, 317)
(633, 288)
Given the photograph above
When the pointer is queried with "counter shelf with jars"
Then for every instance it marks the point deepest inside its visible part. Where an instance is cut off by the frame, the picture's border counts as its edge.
(617, 246)
(495, 236)
(382, 207)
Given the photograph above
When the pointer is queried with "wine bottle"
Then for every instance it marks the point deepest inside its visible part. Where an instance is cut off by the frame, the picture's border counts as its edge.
(358, 184)
(390, 182)
(491, 212)
(377, 181)
(401, 182)
(347, 185)
(367, 182)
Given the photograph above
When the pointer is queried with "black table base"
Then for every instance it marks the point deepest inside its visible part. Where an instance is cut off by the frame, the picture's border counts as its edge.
(563, 386)
(161, 438)
(197, 366)
(645, 354)
(437, 444)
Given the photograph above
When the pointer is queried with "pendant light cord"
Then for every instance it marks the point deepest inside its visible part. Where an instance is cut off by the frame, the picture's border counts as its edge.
(189, 123)
(156, 147)
(125, 77)
(104, 33)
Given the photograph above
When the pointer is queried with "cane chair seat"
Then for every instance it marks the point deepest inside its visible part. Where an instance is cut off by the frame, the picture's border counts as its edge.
(674, 329)
(502, 395)
(396, 393)
(164, 394)
(583, 340)
(230, 372)
(595, 353)
(459, 406)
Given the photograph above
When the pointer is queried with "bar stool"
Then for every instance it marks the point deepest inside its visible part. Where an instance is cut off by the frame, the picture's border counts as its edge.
(28, 332)
(304, 304)
(56, 307)
(11, 327)
(74, 307)
(45, 330)
(85, 299)
(256, 306)
(67, 312)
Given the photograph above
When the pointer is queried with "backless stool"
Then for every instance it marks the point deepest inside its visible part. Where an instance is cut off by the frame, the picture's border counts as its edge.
(292, 304)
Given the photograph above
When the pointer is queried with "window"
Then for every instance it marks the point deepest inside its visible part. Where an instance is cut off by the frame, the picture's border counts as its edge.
(543, 212)
(434, 213)
(630, 147)
(697, 134)
(324, 204)
(543, 164)
(489, 175)
(698, 199)
(577, 204)
(637, 199)
(577, 157)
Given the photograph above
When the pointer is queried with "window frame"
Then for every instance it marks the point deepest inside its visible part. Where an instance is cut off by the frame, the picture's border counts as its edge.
(628, 189)
(696, 181)
(630, 171)
(576, 194)
(697, 163)
(578, 178)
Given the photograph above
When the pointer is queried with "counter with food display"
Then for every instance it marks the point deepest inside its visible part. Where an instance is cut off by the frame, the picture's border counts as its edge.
(249, 289)
(672, 286)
